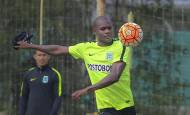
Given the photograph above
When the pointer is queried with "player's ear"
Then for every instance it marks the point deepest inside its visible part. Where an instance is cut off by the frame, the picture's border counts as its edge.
(94, 30)
(34, 56)
(49, 57)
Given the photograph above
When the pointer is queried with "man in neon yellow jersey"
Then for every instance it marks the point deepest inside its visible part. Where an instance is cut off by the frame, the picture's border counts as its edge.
(107, 63)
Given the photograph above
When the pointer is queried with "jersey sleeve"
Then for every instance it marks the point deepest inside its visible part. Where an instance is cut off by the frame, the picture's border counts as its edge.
(24, 93)
(127, 58)
(123, 54)
(126, 54)
(58, 89)
(77, 50)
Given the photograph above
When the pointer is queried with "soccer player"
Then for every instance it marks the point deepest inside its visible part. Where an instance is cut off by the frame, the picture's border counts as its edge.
(107, 63)
(41, 88)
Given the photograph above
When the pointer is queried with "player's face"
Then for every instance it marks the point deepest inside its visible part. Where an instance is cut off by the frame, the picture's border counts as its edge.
(41, 58)
(103, 31)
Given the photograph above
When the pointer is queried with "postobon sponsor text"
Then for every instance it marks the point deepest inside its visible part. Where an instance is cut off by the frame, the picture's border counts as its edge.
(99, 67)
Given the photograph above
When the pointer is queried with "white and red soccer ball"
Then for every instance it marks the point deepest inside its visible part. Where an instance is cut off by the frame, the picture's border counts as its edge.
(130, 34)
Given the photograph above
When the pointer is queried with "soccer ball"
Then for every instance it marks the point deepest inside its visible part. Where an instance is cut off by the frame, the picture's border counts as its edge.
(130, 34)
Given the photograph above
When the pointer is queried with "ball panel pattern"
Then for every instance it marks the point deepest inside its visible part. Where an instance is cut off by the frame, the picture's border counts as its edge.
(130, 34)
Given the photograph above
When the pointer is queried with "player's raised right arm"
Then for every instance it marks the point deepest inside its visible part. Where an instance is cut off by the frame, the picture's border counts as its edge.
(50, 49)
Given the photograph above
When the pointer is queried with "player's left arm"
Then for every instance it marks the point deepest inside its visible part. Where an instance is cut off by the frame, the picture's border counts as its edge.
(117, 69)
(57, 91)
(24, 95)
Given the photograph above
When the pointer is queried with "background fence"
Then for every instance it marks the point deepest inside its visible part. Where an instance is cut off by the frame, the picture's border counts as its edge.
(160, 77)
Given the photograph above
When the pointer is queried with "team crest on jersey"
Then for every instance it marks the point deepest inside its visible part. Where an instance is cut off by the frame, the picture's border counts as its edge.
(45, 79)
(109, 56)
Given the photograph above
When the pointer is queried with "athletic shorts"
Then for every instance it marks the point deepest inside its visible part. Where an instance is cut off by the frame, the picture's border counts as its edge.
(112, 111)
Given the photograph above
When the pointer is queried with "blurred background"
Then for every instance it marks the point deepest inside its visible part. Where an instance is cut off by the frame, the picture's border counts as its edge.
(160, 68)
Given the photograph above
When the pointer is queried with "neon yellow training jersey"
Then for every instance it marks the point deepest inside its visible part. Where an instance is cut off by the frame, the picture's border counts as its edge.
(98, 61)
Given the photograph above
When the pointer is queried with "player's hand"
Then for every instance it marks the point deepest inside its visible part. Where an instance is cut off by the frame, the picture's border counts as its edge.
(23, 36)
(77, 94)
(23, 45)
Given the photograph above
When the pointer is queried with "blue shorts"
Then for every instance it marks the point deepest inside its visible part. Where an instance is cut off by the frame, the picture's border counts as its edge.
(112, 111)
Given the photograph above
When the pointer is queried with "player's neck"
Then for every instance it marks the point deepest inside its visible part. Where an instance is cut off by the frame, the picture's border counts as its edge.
(105, 43)
(42, 66)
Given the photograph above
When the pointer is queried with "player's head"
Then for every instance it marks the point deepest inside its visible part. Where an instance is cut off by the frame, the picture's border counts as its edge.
(41, 58)
(102, 28)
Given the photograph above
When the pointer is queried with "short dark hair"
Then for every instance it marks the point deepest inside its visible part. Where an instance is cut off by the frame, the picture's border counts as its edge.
(101, 18)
